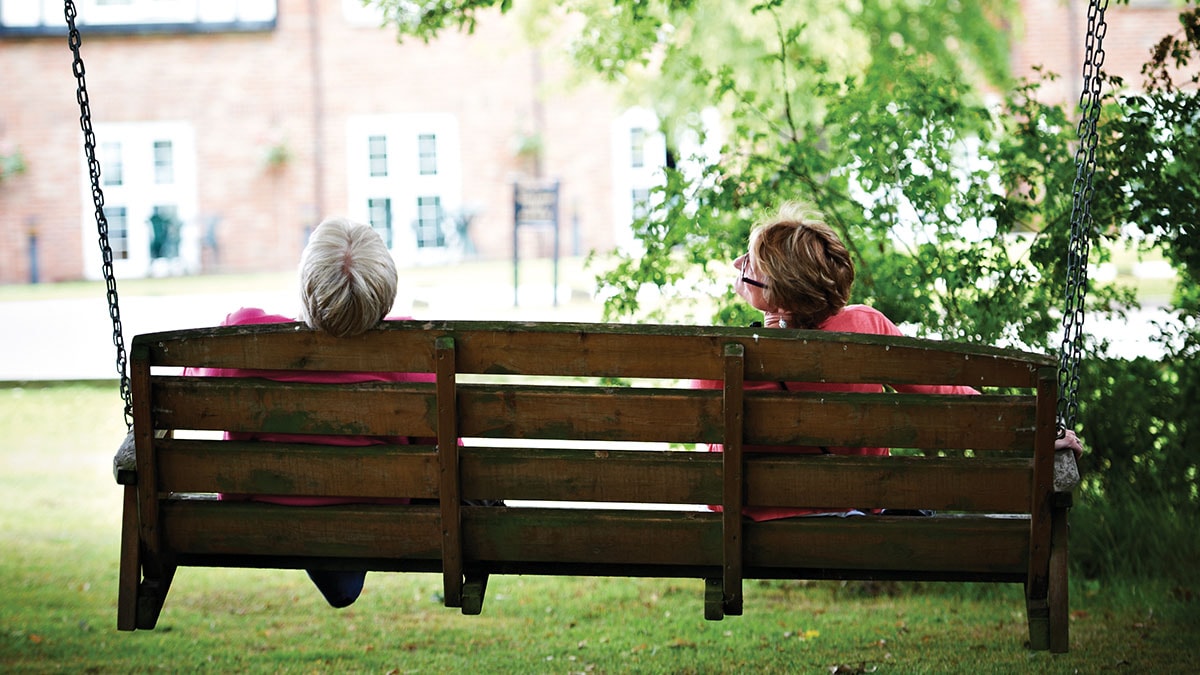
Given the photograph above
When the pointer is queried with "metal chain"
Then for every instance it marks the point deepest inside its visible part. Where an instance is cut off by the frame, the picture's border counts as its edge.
(89, 148)
(1081, 217)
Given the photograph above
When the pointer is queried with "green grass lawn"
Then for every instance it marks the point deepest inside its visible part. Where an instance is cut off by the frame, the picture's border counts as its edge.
(59, 525)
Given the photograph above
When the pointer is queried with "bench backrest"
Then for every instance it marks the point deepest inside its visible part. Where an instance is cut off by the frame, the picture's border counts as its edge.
(541, 407)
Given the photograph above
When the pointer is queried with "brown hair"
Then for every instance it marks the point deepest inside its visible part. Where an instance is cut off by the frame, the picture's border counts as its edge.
(808, 270)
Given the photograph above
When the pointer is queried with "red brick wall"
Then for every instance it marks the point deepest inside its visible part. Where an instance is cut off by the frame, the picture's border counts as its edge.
(244, 92)
(1052, 35)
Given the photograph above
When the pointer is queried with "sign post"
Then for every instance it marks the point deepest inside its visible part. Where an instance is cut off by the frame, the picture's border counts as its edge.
(534, 205)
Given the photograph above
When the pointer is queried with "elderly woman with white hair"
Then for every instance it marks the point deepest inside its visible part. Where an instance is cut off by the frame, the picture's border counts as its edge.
(347, 287)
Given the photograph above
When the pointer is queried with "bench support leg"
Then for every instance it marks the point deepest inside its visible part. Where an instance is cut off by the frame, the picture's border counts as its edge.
(1038, 612)
(473, 591)
(1060, 635)
(714, 600)
(131, 563)
(152, 593)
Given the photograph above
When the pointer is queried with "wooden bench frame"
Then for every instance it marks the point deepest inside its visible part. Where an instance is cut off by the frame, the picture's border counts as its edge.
(984, 455)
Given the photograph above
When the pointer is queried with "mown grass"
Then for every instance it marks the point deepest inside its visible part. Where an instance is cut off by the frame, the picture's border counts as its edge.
(59, 524)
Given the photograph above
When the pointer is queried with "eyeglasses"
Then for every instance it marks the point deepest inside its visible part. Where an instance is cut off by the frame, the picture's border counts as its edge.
(748, 280)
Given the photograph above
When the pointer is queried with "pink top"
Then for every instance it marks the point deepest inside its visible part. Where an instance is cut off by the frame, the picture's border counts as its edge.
(252, 315)
(852, 319)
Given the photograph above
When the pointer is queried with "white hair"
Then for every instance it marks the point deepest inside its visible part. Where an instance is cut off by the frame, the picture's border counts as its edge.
(347, 278)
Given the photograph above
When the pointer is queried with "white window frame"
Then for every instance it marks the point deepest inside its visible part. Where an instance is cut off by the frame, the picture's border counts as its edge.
(634, 176)
(404, 183)
(139, 193)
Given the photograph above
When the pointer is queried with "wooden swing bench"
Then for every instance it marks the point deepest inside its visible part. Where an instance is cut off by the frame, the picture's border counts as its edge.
(546, 411)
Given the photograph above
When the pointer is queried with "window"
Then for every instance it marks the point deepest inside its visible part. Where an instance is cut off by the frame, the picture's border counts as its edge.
(133, 12)
(359, 13)
(377, 155)
(148, 171)
(640, 203)
(639, 155)
(379, 216)
(405, 178)
(427, 154)
(112, 171)
(637, 147)
(118, 231)
(165, 230)
(164, 163)
(45, 17)
(429, 222)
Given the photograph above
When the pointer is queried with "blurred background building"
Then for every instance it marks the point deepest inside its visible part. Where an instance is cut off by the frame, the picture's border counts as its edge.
(227, 129)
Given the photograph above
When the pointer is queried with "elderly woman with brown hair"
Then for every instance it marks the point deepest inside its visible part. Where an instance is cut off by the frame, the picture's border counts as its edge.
(798, 272)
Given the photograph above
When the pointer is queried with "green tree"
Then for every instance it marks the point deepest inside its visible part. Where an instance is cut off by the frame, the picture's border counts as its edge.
(956, 205)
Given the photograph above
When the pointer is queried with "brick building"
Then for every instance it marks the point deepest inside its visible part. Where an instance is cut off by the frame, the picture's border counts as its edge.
(227, 128)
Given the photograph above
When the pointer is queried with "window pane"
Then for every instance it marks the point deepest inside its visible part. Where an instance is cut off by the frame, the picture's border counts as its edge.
(164, 231)
(427, 154)
(377, 155)
(111, 169)
(428, 225)
(379, 216)
(641, 203)
(164, 162)
(637, 147)
(118, 231)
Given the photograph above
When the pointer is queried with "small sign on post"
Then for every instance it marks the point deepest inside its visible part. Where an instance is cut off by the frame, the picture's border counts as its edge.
(534, 205)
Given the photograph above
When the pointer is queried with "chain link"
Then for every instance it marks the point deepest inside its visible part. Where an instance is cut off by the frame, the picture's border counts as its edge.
(1081, 217)
(89, 148)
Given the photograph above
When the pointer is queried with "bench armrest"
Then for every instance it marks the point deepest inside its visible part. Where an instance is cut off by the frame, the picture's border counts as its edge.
(1066, 471)
(125, 462)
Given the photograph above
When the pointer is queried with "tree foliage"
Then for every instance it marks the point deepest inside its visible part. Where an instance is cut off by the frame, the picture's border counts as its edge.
(951, 184)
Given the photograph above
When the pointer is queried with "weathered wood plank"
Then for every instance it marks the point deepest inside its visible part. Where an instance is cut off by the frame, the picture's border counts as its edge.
(601, 350)
(978, 423)
(977, 545)
(349, 531)
(558, 474)
(732, 497)
(256, 405)
(597, 413)
(982, 484)
(305, 470)
(593, 536)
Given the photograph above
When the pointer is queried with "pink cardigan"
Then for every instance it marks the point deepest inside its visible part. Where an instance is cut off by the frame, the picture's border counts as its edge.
(852, 319)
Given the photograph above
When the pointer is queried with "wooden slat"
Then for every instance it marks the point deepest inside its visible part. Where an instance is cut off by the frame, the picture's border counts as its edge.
(130, 570)
(152, 563)
(558, 474)
(733, 486)
(601, 350)
(258, 529)
(978, 423)
(449, 492)
(265, 468)
(1037, 584)
(256, 405)
(981, 484)
(594, 536)
(1059, 592)
(977, 544)
(591, 413)
(597, 413)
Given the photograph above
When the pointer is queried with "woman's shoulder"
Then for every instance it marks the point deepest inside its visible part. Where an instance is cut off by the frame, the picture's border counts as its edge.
(250, 315)
(860, 319)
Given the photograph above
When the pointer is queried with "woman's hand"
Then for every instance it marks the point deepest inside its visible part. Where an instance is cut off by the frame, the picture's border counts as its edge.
(777, 319)
(1071, 441)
